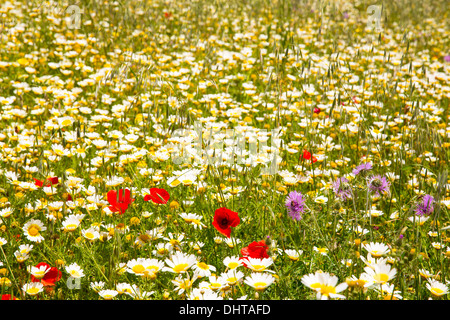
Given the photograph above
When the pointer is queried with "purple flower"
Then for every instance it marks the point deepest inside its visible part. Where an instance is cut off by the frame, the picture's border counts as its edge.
(447, 58)
(295, 205)
(378, 185)
(342, 189)
(362, 168)
(426, 207)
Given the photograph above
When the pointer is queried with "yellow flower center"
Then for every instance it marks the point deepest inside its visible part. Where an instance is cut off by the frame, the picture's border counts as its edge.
(437, 291)
(162, 251)
(259, 267)
(71, 227)
(315, 285)
(361, 283)
(153, 269)
(175, 183)
(389, 296)
(215, 286)
(233, 265)
(185, 284)
(232, 280)
(187, 182)
(259, 285)
(59, 152)
(326, 290)
(74, 273)
(375, 254)
(33, 230)
(381, 278)
(138, 268)
(180, 267)
(39, 274)
(66, 122)
(33, 291)
(89, 235)
(203, 266)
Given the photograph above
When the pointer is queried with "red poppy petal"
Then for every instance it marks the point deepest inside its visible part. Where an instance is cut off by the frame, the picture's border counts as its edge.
(112, 197)
(159, 195)
(306, 155)
(123, 207)
(51, 277)
(121, 195)
(113, 208)
(225, 231)
(53, 180)
(126, 196)
(243, 260)
(224, 219)
(235, 222)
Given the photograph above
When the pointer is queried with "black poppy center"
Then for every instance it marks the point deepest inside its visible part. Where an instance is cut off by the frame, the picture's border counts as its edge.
(224, 222)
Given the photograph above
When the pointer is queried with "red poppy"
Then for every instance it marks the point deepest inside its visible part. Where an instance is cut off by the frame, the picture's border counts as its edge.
(307, 155)
(224, 219)
(316, 110)
(49, 182)
(119, 203)
(167, 14)
(50, 278)
(159, 196)
(256, 249)
(8, 297)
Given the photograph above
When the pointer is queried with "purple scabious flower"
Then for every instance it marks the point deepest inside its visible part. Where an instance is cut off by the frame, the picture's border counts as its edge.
(426, 207)
(342, 189)
(295, 205)
(447, 58)
(378, 185)
(362, 168)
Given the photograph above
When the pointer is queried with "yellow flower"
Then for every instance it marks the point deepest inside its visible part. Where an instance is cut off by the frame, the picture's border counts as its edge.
(5, 282)
(59, 263)
(174, 205)
(134, 221)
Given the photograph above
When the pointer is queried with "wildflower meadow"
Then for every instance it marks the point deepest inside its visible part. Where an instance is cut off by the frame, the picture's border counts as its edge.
(224, 150)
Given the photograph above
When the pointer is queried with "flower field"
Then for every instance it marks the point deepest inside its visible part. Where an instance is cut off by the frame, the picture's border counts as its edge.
(218, 150)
